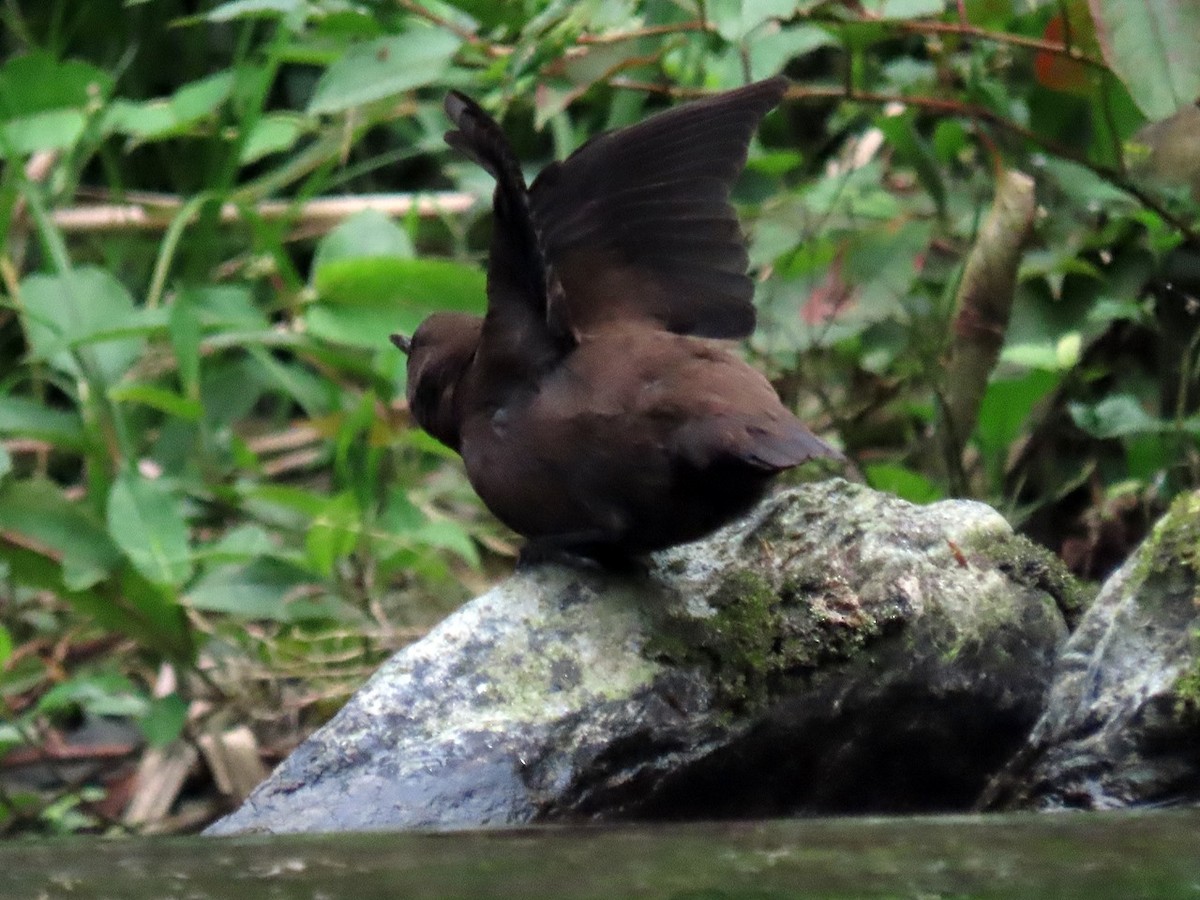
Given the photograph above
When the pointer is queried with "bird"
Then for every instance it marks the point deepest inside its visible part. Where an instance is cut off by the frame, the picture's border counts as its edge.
(597, 405)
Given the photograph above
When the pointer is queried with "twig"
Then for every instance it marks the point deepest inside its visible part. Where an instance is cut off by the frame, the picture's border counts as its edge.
(466, 34)
(156, 213)
(616, 37)
(1000, 37)
(962, 110)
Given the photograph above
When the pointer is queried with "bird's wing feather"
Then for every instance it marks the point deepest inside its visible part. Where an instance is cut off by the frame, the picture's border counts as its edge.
(637, 223)
(523, 288)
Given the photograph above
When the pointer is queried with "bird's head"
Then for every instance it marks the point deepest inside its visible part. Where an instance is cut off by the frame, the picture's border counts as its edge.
(439, 352)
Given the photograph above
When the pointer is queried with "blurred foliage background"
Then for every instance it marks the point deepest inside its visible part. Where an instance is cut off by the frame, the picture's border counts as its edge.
(215, 515)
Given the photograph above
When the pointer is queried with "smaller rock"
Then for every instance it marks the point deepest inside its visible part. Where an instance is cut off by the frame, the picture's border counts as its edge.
(1122, 722)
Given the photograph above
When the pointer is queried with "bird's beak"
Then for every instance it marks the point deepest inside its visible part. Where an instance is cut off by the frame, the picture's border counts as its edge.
(404, 343)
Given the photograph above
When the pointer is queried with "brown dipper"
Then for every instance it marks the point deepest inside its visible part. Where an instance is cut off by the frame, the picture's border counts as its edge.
(592, 408)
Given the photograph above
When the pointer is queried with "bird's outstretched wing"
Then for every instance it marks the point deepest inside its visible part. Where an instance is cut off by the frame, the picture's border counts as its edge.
(637, 222)
(524, 293)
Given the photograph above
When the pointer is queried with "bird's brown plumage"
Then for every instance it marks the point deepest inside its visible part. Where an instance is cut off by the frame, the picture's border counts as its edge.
(592, 411)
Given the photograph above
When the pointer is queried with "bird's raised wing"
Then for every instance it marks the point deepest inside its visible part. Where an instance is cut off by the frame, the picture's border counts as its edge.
(521, 331)
(637, 224)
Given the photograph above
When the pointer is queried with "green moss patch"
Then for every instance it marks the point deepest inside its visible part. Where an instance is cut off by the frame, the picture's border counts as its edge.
(760, 637)
(1030, 564)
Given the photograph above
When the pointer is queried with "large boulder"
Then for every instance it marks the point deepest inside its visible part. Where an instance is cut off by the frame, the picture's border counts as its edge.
(1122, 721)
(839, 650)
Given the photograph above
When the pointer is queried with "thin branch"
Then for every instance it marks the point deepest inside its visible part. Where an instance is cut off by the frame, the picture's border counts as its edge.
(616, 37)
(465, 34)
(962, 110)
(155, 212)
(999, 37)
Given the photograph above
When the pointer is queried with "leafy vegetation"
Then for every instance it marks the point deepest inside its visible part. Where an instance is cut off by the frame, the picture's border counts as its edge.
(213, 507)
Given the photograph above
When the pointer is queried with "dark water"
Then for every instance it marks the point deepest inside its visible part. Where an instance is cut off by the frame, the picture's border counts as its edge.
(1091, 855)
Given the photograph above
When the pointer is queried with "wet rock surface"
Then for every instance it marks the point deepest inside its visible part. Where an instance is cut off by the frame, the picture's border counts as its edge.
(1122, 721)
(839, 650)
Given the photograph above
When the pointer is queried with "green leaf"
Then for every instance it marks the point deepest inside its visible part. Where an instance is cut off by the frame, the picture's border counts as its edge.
(77, 307)
(334, 533)
(163, 721)
(184, 327)
(239, 544)
(255, 590)
(253, 9)
(28, 418)
(1154, 48)
(1006, 406)
(368, 234)
(157, 398)
(273, 133)
(383, 68)
(145, 518)
(44, 101)
(903, 482)
(106, 694)
(365, 300)
(35, 514)
(6, 645)
(56, 129)
(1120, 415)
(160, 118)
(39, 82)
(734, 19)
(904, 9)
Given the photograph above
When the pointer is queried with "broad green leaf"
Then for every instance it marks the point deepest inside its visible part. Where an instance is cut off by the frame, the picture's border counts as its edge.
(56, 129)
(145, 518)
(273, 133)
(166, 620)
(334, 533)
(38, 82)
(255, 590)
(35, 514)
(734, 19)
(157, 398)
(159, 118)
(44, 101)
(1120, 415)
(365, 300)
(221, 306)
(1154, 47)
(239, 544)
(1006, 406)
(904, 9)
(770, 51)
(6, 645)
(163, 719)
(1061, 355)
(383, 68)
(59, 310)
(882, 262)
(20, 417)
(106, 694)
(446, 534)
(905, 483)
(184, 327)
(365, 235)
(254, 9)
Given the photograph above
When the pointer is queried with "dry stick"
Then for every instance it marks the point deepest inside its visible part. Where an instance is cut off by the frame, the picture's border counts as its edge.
(156, 213)
(982, 307)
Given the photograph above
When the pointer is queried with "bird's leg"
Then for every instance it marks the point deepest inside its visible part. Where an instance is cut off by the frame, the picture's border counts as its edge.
(591, 549)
